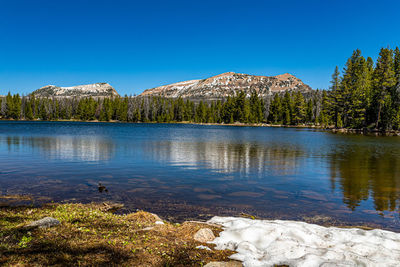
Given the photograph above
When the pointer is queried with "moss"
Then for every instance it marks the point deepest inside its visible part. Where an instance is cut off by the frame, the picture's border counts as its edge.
(88, 235)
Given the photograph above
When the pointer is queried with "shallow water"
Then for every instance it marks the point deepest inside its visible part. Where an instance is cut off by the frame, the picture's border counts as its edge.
(191, 171)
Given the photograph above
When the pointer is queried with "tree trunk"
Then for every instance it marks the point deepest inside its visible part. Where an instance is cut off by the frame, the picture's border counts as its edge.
(379, 115)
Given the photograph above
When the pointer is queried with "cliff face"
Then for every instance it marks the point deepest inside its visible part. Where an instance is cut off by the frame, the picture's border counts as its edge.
(94, 90)
(228, 84)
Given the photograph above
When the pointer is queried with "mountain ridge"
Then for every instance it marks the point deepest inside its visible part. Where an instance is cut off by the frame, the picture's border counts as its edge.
(86, 90)
(229, 83)
(214, 87)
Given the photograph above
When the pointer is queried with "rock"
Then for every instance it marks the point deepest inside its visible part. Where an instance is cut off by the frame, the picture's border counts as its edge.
(224, 264)
(44, 223)
(204, 235)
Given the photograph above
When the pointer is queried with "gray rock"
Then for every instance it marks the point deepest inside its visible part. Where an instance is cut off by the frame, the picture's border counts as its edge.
(224, 264)
(204, 235)
(44, 223)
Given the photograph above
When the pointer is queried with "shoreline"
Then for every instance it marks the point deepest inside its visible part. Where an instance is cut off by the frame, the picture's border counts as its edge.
(364, 131)
(93, 234)
(119, 208)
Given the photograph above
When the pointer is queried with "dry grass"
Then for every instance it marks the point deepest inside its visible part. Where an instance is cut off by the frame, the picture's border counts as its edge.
(89, 236)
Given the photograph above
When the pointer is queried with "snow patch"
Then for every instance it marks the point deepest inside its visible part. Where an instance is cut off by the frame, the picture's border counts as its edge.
(270, 242)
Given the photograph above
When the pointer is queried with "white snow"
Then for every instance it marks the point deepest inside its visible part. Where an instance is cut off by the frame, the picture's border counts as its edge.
(270, 242)
(203, 247)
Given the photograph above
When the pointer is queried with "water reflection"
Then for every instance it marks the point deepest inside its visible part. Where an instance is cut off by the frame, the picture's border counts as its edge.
(365, 172)
(245, 158)
(281, 173)
(82, 148)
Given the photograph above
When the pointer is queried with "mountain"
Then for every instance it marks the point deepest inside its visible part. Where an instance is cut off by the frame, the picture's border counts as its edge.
(95, 90)
(229, 83)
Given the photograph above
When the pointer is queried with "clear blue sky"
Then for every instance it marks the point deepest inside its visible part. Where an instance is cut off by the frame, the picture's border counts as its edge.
(135, 45)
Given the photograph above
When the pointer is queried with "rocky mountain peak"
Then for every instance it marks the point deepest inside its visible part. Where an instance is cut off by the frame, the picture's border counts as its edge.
(94, 90)
(228, 84)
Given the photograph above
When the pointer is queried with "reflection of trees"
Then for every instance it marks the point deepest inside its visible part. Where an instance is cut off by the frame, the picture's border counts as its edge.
(229, 157)
(85, 148)
(364, 172)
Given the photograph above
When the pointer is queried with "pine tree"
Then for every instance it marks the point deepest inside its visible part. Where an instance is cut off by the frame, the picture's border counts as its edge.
(228, 110)
(310, 111)
(349, 88)
(201, 113)
(256, 108)
(16, 113)
(336, 97)
(9, 106)
(396, 65)
(324, 118)
(360, 94)
(396, 90)
(43, 110)
(383, 82)
(179, 110)
(299, 108)
(28, 110)
(287, 109)
(275, 114)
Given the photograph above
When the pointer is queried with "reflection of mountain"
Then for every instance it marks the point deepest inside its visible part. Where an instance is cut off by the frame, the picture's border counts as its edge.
(229, 157)
(363, 172)
(84, 148)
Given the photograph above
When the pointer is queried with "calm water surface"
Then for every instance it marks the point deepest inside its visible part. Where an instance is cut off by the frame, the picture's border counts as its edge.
(192, 171)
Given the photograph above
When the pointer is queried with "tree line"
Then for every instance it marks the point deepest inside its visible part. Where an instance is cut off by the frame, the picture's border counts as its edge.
(290, 108)
(364, 95)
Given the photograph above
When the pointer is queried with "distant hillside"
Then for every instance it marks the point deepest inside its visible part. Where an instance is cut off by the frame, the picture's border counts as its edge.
(229, 83)
(95, 90)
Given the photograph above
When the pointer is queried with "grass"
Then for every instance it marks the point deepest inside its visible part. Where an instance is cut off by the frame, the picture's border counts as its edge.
(88, 236)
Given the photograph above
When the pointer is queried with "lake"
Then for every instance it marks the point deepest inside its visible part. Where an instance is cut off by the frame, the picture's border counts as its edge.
(184, 171)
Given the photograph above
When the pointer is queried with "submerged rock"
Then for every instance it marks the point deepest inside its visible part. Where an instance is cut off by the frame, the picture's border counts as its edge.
(44, 223)
(204, 235)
